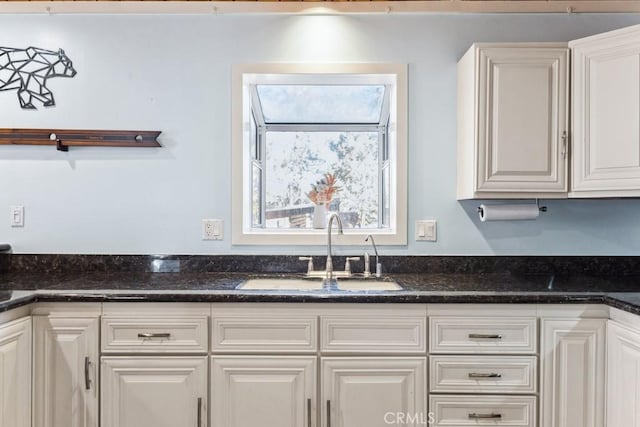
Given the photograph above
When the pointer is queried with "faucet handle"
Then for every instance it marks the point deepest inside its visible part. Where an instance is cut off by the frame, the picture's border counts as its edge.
(367, 265)
(378, 272)
(347, 264)
(309, 264)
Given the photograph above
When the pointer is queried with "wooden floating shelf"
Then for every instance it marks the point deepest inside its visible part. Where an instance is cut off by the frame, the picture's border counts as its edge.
(65, 138)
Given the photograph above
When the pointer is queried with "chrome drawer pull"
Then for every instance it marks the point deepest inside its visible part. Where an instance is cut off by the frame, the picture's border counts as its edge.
(492, 416)
(156, 335)
(477, 375)
(485, 336)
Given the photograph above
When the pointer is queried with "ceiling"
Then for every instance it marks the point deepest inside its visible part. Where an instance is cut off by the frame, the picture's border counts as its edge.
(315, 6)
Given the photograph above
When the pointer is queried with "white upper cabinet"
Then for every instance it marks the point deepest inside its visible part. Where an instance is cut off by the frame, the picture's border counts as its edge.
(606, 114)
(513, 121)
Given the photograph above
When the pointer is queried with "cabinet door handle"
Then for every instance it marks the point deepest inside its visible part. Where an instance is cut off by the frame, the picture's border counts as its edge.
(199, 412)
(478, 375)
(491, 416)
(485, 336)
(308, 412)
(565, 137)
(154, 335)
(87, 380)
(328, 413)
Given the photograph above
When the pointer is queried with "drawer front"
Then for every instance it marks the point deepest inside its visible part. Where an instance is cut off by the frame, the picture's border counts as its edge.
(265, 334)
(373, 334)
(483, 374)
(188, 334)
(474, 335)
(460, 411)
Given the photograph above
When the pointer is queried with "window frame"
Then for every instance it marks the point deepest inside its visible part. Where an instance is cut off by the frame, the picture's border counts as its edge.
(395, 145)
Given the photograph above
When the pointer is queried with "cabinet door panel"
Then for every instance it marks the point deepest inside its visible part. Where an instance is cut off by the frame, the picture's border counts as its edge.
(364, 391)
(623, 376)
(62, 348)
(154, 391)
(15, 373)
(573, 362)
(522, 110)
(263, 391)
(606, 114)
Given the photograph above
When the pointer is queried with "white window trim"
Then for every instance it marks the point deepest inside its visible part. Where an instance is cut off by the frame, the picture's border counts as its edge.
(242, 233)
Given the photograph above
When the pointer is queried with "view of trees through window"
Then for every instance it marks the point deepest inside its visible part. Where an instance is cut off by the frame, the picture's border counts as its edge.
(296, 160)
(304, 133)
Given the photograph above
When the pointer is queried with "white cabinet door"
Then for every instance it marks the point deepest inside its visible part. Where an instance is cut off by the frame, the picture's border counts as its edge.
(65, 375)
(606, 114)
(154, 392)
(373, 391)
(573, 369)
(513, 121)
(623, 376)
(15, 373)
(265, 391)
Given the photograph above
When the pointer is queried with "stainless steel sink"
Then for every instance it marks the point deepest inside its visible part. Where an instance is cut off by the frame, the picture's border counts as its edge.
(368, 285)
(293, 284)
(276, 284)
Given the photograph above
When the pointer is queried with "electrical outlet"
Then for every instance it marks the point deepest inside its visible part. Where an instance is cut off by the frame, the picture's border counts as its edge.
(212, 229)
(16, 218)
(426, 230)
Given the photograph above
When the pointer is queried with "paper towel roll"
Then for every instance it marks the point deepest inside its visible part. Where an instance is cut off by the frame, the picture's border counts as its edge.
(508, 212)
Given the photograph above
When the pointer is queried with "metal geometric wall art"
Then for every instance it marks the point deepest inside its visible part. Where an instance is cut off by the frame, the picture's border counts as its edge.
(27, 71)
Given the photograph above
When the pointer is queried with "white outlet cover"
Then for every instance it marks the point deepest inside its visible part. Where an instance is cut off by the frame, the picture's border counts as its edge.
(426, 230)
(212, 229)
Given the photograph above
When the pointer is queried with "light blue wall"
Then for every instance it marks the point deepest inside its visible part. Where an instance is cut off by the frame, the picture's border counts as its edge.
(172, 73)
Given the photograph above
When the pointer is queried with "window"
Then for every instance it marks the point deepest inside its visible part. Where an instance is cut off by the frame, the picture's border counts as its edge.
(330, 135)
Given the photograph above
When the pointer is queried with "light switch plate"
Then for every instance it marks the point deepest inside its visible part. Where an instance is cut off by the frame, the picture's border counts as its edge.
(212, 229)
(426, 230)
(16, 218)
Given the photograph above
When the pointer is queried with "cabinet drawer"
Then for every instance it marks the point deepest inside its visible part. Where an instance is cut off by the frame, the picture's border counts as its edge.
(264, 334)
(373, 334)
(517, 335)
(459, 411)
(187, 334)
(483, 374)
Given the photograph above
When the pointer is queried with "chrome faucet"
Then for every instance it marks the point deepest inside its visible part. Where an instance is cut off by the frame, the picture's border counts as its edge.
(329, 265)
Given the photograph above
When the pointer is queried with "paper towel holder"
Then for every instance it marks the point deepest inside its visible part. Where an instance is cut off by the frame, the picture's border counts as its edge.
(540, 208)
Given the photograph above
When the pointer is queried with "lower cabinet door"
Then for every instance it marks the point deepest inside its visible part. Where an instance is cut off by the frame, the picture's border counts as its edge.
(373, 391)
(263, 391)
(623, 376)
(65, 380)
(15, 373)
(154, 392)
(572, 361)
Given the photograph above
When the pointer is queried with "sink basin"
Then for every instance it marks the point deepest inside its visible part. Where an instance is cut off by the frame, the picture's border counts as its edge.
(368, 285)
(284, 284)
(276, 284)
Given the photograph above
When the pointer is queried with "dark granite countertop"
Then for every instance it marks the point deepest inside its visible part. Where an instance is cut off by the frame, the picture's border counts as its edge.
(17, 289)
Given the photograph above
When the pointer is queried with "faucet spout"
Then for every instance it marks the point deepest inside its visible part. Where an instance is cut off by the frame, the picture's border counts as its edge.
(329, 266)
